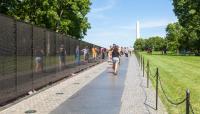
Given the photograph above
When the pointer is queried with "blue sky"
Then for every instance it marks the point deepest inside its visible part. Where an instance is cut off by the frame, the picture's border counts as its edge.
(114, 21)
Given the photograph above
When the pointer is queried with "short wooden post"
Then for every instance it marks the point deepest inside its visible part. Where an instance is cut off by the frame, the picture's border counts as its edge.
(143, 66)
(148, 71)
(187, 101)
(157, 75)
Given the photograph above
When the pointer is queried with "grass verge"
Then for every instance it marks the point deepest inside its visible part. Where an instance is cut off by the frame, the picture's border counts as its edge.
(177, 74)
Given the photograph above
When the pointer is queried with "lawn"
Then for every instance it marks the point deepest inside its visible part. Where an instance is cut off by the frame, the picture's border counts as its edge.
(177, 74)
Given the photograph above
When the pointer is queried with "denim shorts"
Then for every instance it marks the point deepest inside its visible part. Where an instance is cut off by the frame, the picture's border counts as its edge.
(115, 59)
(38, 60)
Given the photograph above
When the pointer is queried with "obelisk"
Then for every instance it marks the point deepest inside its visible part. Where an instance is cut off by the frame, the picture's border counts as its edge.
(137, 30)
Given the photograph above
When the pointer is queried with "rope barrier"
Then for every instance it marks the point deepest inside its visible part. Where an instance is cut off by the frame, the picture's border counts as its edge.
(191, 108)
(154, 74)
(146, 69)
(170, 101)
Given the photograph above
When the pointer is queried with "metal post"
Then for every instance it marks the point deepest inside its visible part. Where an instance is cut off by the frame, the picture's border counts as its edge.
(141, 62)
(157, 75)
(187, 101)
(143, 66)
(148, 70)
(139, 59)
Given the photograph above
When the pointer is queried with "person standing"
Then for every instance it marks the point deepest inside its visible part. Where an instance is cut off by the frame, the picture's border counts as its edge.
(103, 51)
(130, 51)
(110, 54)
(62, 55)
(126, 51)
(77, 55)
(123, 50)
(94, 53)
(85, 54)
(39, 53)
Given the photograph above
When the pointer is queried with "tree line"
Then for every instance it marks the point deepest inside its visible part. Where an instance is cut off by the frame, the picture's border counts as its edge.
(156, 43)
(182, 36)
(65, 16)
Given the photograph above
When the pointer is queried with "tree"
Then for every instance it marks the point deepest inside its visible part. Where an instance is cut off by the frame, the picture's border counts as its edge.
(188, 13)
(73, 15)
(65, 16)
(139, 44)
(7, 6)
(156, 43)
(38, 12)
(176, 37)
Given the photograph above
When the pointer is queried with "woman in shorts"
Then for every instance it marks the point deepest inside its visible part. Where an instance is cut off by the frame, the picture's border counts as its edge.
(39, 60)
(115, 59)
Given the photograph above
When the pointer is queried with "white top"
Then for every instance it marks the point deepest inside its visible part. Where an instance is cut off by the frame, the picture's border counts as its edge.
(85, 51)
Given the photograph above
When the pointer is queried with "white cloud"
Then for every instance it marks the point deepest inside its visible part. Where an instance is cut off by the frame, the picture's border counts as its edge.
(147, 24)
(127, 27)
(108, 36)
(97, 16)
(110, 5)
(125, 34)
(98, 12)
(155, 23)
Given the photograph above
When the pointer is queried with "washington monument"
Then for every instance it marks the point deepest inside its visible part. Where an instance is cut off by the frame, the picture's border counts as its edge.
(137, 30)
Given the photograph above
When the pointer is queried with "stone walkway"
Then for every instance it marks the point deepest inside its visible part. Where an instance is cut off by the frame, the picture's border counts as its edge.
(95, 91)
(137, 98)
(101, 96)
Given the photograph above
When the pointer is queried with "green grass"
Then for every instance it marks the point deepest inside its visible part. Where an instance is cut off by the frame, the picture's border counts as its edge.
(177, 74)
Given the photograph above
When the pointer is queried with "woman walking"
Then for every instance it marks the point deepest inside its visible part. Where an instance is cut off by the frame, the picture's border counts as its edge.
(115, 59)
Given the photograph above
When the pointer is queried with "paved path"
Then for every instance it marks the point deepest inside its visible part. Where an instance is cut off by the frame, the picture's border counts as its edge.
(137, 98)
(95, 91)
(101, 96)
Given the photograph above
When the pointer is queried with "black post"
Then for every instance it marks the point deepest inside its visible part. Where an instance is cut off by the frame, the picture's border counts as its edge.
(157, 74)
(141, 62)
(143, 66)
(148, 70)
(139, 59)
(187, 101)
